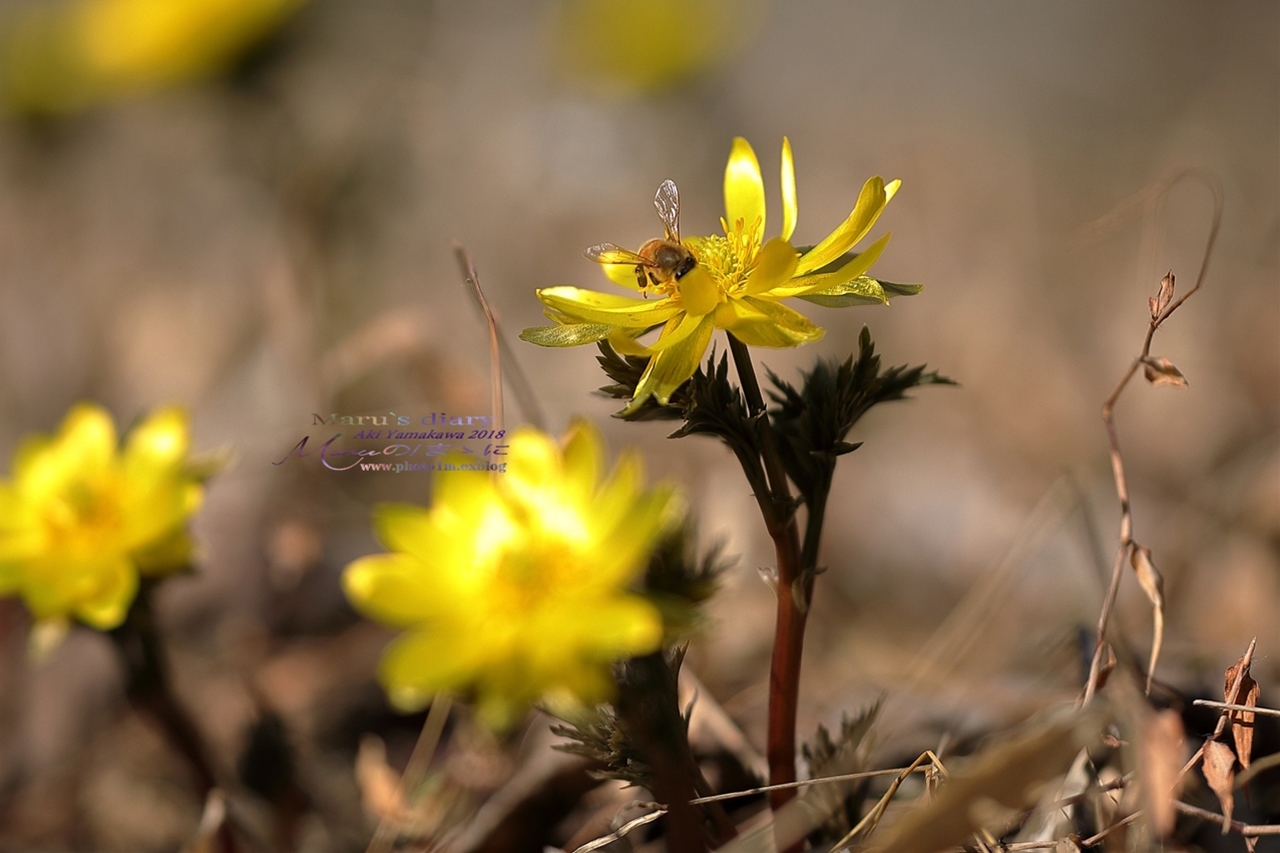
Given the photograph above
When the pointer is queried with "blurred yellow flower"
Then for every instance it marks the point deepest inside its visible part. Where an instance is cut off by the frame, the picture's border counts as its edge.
(61, 56)
(738, 284)
(514, 587)
(80, 519)
(643, 46)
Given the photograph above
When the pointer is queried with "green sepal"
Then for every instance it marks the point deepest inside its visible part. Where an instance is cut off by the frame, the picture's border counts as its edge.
(570, 335)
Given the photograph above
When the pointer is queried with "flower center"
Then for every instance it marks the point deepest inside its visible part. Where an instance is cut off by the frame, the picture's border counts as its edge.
(86, 516)
(730, 258)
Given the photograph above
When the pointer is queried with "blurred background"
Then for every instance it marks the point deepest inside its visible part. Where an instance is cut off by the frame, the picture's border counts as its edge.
(248, 211)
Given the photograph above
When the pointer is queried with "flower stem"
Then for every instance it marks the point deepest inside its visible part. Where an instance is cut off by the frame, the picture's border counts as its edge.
(150, 692)
(793, 587)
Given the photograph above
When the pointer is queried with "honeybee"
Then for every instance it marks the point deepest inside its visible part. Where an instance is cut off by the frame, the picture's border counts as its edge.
(660, 260)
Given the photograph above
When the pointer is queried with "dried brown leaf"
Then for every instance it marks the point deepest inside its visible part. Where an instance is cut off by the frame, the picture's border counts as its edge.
(379, 783)
(1152, 584)
(1161, 371)
(1241, 721)
(1161, 302)
(1219, 771)
(382, 792)
(1163, 751)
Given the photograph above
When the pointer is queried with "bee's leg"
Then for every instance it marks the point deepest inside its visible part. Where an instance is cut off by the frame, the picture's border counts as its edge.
(642, 278)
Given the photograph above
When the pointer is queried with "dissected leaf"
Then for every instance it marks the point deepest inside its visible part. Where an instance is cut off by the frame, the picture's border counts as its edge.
(812, 422)
(1153, 585)
(827, 757)
(1241, 721)
(1161, 371)
(1219, 771)
(1163, 751)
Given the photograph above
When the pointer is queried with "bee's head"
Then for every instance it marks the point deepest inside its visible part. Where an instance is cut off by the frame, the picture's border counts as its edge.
(687, 264)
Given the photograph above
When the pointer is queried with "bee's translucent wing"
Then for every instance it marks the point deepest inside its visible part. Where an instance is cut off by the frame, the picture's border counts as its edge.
(667, 201)
(608, 253)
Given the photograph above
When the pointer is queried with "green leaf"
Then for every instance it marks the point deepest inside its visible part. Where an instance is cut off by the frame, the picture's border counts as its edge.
(812, 422)
(894, 289)
(863, 290)
(570, 335)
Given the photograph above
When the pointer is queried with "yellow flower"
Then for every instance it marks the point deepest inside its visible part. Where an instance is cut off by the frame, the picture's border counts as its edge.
(63, 56)
(512, 587)
(629, 47)
(738, 284)
(80, 519)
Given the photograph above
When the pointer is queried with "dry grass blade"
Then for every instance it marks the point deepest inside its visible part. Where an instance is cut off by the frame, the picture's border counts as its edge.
(500, 352)
(1248, 830)
(1241, 721)
(1152, 584)
(1006, 779)
(801, 816)
(629, 826)
(384, 836)
(1262, 765)
(1258, 710)
(871, 820)
(495, 355)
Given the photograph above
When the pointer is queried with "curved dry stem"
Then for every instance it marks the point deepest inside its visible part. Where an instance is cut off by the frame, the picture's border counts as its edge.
(1161, 311)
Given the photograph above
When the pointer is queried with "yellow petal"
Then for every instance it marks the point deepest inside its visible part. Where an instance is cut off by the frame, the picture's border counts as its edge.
(406, 527)
(775, 265)
(625, 344)
(743, 186)
(160, 443)
(677, 329)
(535, 457)
(699, 292)
(871, 202)
(843, 275)
(623, 275)
(790, 210)
(781, 326)
(87, 440)
(670, 369)
(623, 554)
(594, 307)
(891, 189)
(583, 458)
(621, 627)
(394, 589)
(113, 585)
(613, 502)
(428, 661)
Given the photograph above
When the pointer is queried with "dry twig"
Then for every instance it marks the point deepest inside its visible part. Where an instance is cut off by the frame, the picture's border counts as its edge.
(1157, 371)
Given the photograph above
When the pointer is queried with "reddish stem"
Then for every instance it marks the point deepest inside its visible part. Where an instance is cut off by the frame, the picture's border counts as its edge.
(778, 510)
